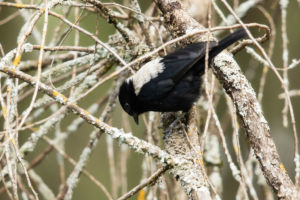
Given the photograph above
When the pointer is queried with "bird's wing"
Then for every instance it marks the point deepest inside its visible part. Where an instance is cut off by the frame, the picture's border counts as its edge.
(176, 65)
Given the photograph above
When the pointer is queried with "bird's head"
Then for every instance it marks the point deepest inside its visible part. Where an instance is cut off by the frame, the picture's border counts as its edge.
(128, 99)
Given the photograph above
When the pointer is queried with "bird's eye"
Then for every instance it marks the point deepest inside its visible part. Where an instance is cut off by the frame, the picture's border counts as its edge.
(126, 107)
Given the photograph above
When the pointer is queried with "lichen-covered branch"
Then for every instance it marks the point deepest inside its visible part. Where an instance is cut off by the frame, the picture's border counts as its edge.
(255, 125)
(138, 145)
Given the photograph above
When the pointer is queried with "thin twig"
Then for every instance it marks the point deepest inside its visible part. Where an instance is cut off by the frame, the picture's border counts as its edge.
(148, 181)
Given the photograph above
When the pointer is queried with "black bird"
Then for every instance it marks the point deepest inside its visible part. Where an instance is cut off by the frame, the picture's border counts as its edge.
(171, 83)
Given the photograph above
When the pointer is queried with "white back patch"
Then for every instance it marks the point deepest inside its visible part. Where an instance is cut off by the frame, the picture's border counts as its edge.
(146, 73)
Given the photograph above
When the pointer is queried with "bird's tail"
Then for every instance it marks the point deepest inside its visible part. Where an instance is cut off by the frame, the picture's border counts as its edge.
(227, 41)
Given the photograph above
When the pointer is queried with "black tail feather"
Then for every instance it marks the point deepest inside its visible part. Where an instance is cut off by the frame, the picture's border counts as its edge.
(218, 48)
(227, 41)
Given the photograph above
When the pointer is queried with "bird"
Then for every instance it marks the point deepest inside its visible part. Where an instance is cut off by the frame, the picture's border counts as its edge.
(171, 83)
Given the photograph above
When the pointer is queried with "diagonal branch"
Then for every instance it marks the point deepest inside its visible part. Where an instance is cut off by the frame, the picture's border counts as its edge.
(133, 142)
(152, 179)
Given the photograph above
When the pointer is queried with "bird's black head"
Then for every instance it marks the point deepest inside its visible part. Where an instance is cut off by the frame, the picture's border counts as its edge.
(128, 99)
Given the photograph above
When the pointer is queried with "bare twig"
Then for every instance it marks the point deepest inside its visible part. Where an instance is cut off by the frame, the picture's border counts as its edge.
(146, 182)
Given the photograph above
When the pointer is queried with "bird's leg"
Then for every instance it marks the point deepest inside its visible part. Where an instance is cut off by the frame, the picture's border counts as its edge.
(168, 131)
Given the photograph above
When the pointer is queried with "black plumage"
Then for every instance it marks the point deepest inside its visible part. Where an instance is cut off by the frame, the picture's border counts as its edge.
(171, 83)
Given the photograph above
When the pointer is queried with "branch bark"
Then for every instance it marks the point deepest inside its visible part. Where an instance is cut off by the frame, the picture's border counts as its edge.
(183, 141)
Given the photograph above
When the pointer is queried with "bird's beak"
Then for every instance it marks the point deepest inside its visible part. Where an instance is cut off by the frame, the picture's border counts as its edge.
(136, 118)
